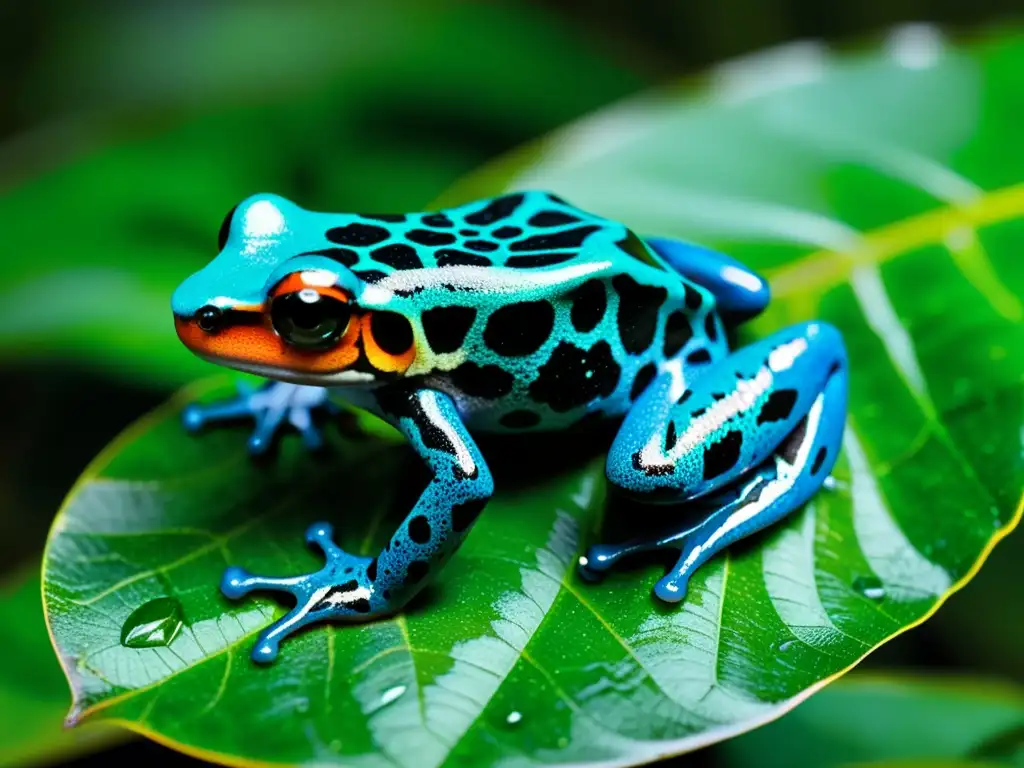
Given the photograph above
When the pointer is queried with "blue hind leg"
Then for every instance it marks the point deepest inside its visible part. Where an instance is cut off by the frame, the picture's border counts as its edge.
(748, 455)
(740, 293)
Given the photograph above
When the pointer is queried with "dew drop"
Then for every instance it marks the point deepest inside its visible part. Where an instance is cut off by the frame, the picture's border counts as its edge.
(302, 706)
(786, 645)
(391, 694)
(152, 624)
(870, 587)
(514, 718)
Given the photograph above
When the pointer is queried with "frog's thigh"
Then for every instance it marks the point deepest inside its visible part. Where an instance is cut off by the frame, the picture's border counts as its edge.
(679, 445)
(765, 495)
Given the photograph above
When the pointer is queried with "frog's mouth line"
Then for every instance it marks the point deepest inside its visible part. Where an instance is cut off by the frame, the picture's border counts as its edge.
(250, 344)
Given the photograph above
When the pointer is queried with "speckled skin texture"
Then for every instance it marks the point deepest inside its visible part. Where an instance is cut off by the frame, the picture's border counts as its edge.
(520, 313)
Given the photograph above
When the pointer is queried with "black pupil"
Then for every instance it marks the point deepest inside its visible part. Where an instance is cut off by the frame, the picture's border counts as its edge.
(208, 318)
(307, 319)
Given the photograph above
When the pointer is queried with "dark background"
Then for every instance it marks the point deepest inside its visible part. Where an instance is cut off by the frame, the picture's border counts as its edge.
(69, 64)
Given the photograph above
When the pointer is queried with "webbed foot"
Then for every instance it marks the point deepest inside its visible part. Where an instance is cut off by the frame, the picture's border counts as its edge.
(342, 590)
(271, 406)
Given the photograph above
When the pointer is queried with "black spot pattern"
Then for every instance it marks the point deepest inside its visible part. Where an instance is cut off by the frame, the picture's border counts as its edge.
(225, 228)
(449, 257)
(569, 238)
(415, 571)
(638, 312)
(692, 300)
(362, 605)
(394, 218)
(699, 356)
(520, 329)
(466, 513)
(684, 397)
(790, 449)
(357, 234)
(499, 208)
(345, 256)
(537, 260)
(572, 377)
(778, 406)
(819, 459)
(520, 419)
(678, 331)
(651, 470)
(370, 275)
(397, 256)
(589, 302)
(371, 570)
(437, 220)
(643, 377)
(429, 237)
(721, 456)
(480, 245)
(504, 233)
(391, 331)
(446, 327)
(419, 529)
(487, 381)
(670, 436)
(711, 326)
(552, 219)
(634, 246)
(469, 232)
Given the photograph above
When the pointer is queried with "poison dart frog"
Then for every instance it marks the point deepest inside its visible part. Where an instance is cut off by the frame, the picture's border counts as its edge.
(516, 314)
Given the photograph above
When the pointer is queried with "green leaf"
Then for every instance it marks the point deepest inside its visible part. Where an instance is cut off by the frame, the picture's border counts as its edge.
(876, 189)
(395, 102)
(868, 719)
(33, 694)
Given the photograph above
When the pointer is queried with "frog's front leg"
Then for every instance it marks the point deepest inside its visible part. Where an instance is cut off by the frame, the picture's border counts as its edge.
(272, 406)
(751, 440)
(356, 588)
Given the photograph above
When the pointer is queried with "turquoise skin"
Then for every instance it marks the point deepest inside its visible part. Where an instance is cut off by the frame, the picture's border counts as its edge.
(520, 313)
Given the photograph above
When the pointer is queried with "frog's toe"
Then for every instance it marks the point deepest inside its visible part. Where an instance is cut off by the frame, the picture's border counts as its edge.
(671, 588)
(237, 582)
(343, 590)
(197, 416)
(599, 559)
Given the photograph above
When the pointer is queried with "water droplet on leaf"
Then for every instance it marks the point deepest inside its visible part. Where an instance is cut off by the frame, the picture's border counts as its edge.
(870, 587)
(152, 624)
(786, 645)
(302, 706)
(514, 718)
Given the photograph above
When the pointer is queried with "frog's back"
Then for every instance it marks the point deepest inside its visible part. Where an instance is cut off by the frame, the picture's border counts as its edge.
(536, 313)
(520, 230)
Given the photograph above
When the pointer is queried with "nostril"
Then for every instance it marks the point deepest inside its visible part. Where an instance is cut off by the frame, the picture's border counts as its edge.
(208, 318)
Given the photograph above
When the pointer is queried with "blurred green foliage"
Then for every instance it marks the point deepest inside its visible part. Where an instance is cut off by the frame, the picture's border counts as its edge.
(405, 98)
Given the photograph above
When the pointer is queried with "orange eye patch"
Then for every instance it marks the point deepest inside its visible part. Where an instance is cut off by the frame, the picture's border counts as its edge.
(388, 341)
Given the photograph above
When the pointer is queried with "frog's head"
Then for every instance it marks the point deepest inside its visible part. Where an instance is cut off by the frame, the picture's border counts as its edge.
(276, 302)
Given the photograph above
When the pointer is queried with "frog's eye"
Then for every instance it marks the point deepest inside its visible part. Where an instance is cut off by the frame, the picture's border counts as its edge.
(225, 229)
(308, 319)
